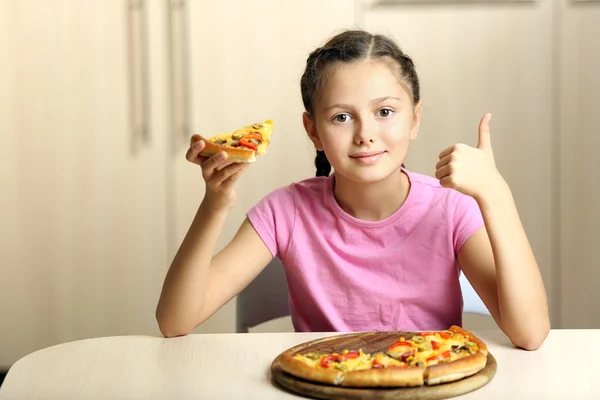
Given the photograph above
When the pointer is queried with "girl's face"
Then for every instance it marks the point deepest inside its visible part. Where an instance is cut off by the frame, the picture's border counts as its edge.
(364, 120)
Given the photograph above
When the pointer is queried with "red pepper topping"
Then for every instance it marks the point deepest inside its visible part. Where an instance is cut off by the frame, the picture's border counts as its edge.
(444, 335)
(396, 344)
(245, 140)
(325, 360)
(445, 355)
(348, 356)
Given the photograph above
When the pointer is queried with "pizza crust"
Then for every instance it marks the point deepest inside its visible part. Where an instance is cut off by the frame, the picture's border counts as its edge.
(298, 368)
(386, 377)
(234, 154)
(455, 370)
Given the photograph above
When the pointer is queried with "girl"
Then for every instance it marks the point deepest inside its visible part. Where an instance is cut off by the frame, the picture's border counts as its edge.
(372, 246)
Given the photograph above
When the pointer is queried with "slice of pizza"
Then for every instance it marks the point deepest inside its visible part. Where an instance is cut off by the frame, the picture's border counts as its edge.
(352, 369)
(447, 355)
(325, 367)
(242, 145)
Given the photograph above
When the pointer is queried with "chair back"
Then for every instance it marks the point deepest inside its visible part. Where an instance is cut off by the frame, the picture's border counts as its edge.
(266, 298)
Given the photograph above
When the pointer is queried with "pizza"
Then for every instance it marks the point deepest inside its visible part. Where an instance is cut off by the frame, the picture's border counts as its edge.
(242, 145)
(424, 358)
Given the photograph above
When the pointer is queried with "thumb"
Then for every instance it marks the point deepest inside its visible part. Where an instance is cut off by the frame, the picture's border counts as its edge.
(485, 141)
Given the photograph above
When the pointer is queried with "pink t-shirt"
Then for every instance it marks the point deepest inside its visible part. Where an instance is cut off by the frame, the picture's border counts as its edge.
(348, 275)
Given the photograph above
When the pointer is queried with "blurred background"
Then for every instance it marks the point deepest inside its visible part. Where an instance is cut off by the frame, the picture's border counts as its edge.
(98, 100)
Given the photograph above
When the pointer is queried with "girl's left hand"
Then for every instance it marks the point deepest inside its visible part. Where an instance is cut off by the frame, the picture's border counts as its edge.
(470, 170)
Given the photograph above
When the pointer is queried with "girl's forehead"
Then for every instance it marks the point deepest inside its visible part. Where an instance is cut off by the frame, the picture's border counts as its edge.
(361, 81)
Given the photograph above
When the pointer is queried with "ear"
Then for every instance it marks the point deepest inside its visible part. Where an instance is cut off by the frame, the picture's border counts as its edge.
(311, 130)
(414, 131)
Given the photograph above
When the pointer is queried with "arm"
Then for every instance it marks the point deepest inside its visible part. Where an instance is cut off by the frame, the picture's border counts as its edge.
(501, 267)
(198, 284)
(499, 263)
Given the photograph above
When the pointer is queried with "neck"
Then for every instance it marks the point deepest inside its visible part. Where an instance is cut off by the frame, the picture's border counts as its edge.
(372, 201)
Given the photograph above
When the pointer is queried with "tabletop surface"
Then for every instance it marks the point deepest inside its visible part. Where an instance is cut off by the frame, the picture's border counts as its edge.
(230, 366)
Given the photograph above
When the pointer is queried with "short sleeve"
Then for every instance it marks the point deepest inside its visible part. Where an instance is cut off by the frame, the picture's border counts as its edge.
(467, 219)
(273, 219)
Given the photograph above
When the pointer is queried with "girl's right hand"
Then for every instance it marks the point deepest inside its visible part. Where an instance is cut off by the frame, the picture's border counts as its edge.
(219, 175)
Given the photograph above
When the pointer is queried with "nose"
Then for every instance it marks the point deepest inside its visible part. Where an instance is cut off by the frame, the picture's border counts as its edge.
(363, 133)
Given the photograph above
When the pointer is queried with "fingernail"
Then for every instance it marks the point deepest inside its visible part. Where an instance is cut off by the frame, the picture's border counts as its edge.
(220, 156)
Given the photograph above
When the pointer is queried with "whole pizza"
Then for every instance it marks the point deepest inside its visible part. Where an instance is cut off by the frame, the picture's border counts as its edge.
(424, 358)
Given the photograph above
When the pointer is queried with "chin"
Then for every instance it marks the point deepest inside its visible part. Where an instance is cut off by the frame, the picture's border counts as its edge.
(368, 175)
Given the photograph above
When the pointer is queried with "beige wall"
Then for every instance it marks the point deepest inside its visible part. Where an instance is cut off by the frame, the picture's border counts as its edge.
(92, 212)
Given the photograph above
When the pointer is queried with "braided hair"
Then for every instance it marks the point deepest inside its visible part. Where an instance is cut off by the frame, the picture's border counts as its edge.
(349, 46)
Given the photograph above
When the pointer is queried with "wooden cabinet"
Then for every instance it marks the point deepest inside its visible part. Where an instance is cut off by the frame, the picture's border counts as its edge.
(481, 57)
(577, 162)
(98, 102)
(241, 71)
(83, 222)
(534, 65)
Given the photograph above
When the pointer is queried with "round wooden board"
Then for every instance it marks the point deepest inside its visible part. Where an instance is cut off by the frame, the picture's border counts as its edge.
(371, 342)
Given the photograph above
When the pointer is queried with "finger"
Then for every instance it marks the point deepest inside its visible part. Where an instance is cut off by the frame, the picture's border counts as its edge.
(221, 176)
(212, 162)
(195, 138)
(194, 151)
(444, 161)
(447, 182)
(447, 151)
(224, 164)
(443, 172)
(485, 141)
(235, 176)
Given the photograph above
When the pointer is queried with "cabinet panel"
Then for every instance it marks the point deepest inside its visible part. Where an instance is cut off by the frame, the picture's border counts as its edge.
(478, 58)
(86, 226)
(579, 143)
(243, 72)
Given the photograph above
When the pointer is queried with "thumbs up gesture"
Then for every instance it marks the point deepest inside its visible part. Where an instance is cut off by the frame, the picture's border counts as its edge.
(470, 170)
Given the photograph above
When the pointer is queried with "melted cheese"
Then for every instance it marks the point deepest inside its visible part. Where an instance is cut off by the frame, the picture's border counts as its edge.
(422, 345)
(264, 128)
(363, 361)
(387, 361)
(424, 348)
(444, 345)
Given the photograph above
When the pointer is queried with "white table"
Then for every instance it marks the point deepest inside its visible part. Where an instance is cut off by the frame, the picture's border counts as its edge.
(236, 366)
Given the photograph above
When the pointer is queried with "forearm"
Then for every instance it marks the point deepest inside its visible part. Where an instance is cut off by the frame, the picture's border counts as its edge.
(184, 289)
(522, 300)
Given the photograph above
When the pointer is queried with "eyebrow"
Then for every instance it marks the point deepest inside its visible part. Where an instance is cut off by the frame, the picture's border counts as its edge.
(374, 101)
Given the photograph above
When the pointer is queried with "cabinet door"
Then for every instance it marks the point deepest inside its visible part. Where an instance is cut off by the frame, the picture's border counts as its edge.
(579, 63)
(246, 60)
(480, 57)
(83, 236)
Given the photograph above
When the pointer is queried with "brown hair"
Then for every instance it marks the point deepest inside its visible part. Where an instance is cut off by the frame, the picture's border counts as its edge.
(350, 46)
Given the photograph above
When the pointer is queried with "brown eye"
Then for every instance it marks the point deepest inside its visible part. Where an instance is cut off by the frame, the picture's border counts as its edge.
(341, 118)
(385, 112)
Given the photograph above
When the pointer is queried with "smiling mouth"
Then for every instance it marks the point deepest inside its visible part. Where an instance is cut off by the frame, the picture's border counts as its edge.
(367, 154)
